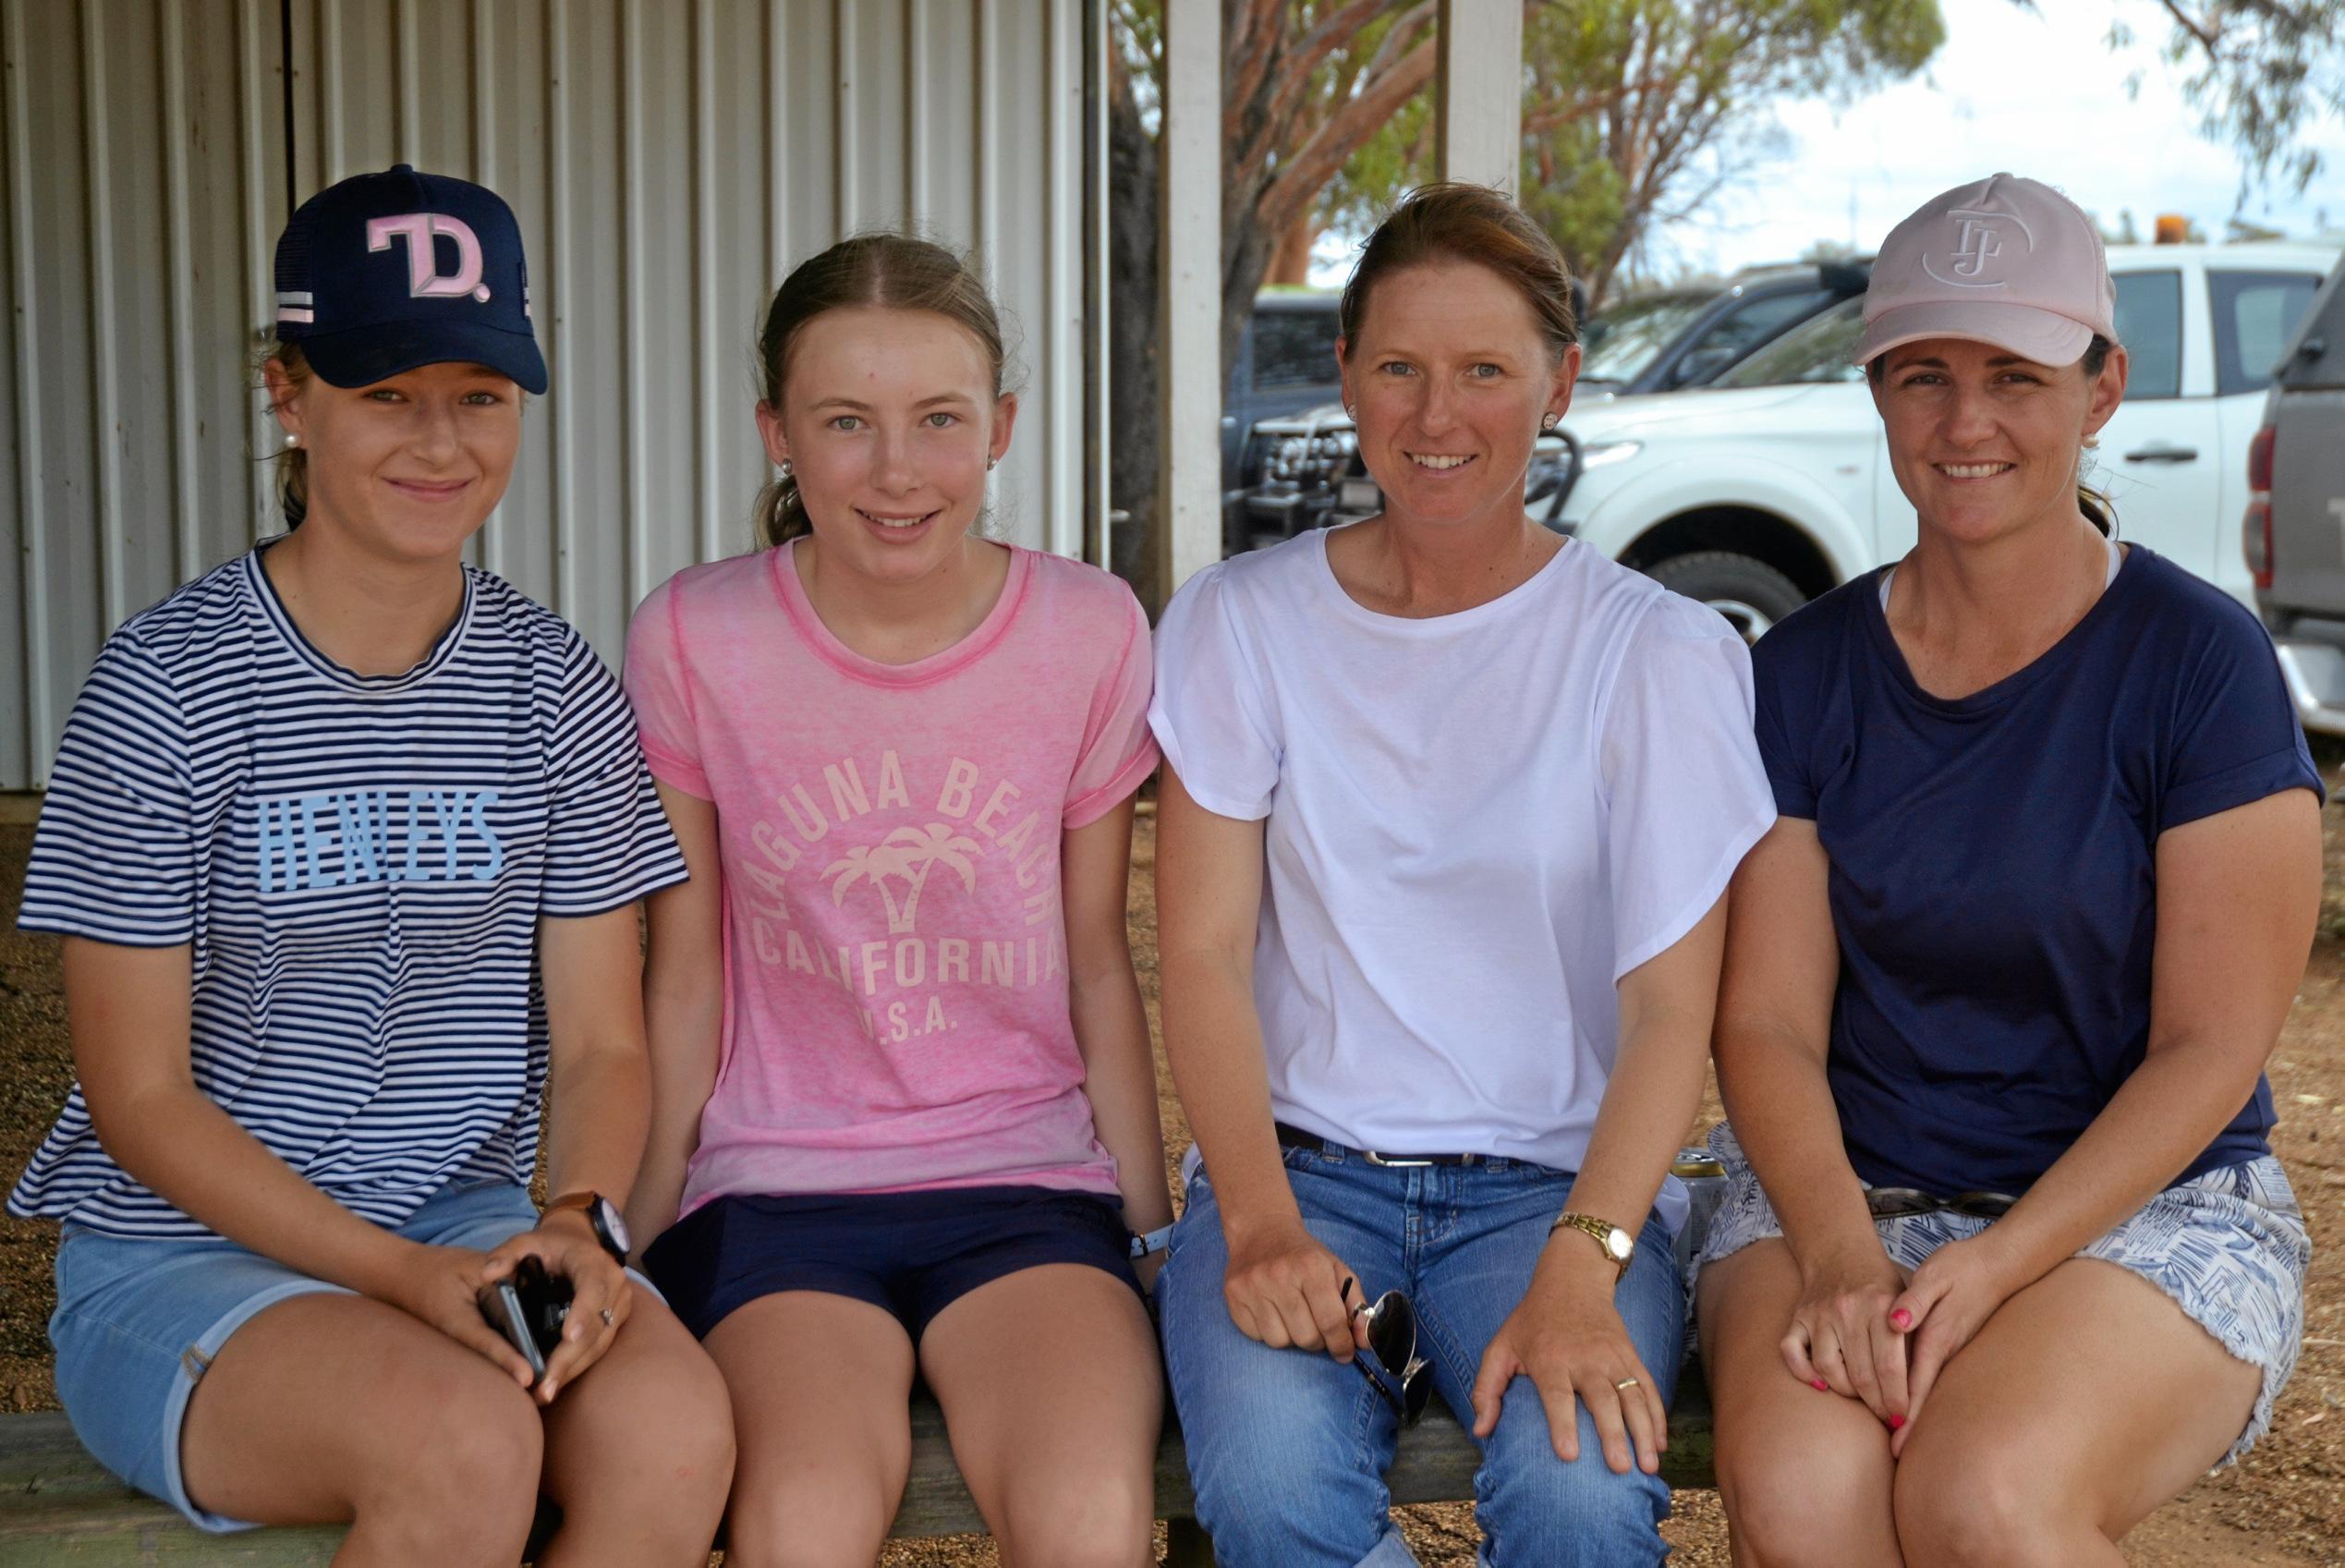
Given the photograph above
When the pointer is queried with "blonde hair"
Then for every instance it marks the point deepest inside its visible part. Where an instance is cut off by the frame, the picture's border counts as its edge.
(890, 270)
(293, 462)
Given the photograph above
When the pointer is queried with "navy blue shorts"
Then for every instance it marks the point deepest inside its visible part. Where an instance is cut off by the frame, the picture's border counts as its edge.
(910, 1253)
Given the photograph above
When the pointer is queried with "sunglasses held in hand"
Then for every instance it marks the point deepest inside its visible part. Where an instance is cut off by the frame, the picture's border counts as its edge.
(1391, 1341)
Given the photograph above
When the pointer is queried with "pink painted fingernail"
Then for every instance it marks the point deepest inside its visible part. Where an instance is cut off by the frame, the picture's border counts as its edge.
(1820, 1386)
(1900, 1318)
(1896, 1421)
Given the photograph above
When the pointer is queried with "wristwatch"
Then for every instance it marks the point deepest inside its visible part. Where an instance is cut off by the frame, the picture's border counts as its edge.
(610, 1226)
(1152, 1242)
(1618, 1245)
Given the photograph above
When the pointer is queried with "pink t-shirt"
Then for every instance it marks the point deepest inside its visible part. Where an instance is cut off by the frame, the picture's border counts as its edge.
(895, 985)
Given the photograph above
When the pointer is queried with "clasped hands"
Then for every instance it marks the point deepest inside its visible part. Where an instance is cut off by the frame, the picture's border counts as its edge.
(1866, 1330)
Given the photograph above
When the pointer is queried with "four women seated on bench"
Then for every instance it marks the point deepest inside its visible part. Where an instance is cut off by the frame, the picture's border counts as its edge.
(347, 841)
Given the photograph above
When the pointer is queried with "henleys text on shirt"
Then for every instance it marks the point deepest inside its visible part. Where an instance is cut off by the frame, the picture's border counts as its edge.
(336, 837)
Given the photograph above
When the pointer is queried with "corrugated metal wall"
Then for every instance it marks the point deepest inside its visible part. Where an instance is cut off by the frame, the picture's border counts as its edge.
(669, 159)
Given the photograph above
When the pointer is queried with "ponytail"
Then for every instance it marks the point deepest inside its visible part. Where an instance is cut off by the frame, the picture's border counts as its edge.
(293, 462)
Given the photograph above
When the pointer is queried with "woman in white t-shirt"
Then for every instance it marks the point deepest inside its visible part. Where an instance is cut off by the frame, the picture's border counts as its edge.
(1450, 805)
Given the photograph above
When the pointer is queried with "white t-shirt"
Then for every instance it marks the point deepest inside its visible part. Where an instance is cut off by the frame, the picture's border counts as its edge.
(1477, 823)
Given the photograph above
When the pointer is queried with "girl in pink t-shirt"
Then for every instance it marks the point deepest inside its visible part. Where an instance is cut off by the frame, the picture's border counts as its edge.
(903, 1110)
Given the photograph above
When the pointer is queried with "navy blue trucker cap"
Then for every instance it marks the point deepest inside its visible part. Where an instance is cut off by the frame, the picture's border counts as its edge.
(382, 272)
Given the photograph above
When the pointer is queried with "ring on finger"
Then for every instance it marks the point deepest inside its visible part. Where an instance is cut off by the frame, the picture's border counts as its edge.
(606, 1316)
(1627, 1384)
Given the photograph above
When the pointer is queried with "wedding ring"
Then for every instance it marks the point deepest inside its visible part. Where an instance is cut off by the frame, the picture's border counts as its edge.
(606, 1316)
(1627, 1384)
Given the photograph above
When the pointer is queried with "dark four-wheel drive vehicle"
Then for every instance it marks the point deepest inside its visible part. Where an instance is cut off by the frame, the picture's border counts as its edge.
(1300, 470)
(1285, 364)
(2294, 530)
(1680, 338)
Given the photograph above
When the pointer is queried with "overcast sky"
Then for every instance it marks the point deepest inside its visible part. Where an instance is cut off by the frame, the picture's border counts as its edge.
(2036, 93)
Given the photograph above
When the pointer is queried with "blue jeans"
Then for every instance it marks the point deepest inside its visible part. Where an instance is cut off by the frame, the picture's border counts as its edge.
(1288, 1447)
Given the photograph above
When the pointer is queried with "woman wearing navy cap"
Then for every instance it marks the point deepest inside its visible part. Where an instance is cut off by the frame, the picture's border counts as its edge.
(2006, 1262)
(346, 841)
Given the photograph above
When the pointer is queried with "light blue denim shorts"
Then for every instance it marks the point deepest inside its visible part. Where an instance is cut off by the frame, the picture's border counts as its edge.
(2229, 1247)
(139, 1322)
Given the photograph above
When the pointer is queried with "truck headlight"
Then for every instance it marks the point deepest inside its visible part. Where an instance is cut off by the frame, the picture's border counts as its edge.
(1606, 452)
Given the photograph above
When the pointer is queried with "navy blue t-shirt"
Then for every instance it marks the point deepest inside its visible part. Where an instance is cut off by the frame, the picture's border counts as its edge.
(1993, 860)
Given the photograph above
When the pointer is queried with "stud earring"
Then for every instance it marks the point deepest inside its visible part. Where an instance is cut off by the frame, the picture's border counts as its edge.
(1546, 421)
(785, 467)
(292, 440)
(1351, 413)
(989, 462)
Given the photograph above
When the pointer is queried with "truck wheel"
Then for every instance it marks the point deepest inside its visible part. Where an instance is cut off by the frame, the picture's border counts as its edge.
(1751, 594)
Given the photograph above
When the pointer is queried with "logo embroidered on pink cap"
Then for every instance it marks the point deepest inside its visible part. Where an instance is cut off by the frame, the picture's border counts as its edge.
(1978, 241)
(2005, 261)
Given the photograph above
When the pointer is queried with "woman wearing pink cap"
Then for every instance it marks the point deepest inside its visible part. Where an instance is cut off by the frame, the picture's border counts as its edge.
(2006, 1261)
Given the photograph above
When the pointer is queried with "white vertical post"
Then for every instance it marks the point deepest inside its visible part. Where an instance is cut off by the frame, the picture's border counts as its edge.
(1188, 489)
(1478, 133)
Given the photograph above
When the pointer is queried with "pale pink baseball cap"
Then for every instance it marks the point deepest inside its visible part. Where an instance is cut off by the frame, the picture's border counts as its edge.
(2005, 261)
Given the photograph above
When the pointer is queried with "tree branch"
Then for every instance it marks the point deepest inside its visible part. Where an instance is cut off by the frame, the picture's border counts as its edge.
(1250, 49)
(1301, 177)
(1279, 98)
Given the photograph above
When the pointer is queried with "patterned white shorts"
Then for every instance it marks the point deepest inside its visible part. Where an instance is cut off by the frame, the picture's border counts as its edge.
(2229, 1247)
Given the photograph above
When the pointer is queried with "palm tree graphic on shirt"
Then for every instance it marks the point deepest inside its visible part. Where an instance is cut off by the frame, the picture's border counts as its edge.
(909, 854)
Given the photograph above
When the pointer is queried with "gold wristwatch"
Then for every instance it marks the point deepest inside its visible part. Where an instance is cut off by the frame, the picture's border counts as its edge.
(1618, 1245)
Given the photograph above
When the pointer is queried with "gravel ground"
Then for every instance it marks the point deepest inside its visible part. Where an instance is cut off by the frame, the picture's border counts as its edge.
(2284, 1508)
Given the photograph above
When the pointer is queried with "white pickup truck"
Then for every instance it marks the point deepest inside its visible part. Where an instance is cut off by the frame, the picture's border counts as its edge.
(1773, 484)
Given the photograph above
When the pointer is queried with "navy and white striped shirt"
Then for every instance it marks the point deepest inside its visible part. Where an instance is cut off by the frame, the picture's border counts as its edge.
(358, 864)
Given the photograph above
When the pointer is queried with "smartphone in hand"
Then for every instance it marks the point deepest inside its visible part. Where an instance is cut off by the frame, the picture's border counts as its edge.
(529, 1308)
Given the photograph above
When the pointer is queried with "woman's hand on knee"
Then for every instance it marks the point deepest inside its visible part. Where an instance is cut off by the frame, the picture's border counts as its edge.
(601, 1295)
(1286, 1289)
(1841, 1338)
(1567, 1337)
(441, 1285)
(1950, 1297)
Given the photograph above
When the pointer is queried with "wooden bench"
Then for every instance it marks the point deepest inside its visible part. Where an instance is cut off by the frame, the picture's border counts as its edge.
(57, 1506)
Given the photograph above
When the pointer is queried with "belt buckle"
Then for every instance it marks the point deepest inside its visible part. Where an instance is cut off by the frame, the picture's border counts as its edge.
(1373, 1158)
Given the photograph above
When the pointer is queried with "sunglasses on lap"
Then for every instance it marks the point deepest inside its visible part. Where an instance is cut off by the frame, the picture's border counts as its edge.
(1391, 1341)
(1898, 1203)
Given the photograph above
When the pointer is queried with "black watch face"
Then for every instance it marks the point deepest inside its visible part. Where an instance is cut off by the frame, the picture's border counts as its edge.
(613, 1226)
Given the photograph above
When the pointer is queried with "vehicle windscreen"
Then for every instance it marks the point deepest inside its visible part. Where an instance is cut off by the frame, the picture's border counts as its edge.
(1620, 340)
(1293, 348)
(1815, 350)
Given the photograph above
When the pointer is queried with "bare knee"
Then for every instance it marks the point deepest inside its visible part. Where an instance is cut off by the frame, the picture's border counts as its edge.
(1977, 1507)
(658, 1453)
(1805, 1501)
(461, 1481)
(693, 1443)
(1100, 1523)
(815, 1524)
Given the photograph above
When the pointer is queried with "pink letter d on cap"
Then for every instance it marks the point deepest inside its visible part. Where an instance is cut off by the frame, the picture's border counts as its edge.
(2006, 260)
